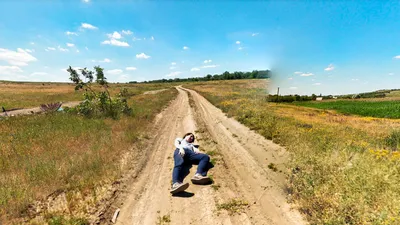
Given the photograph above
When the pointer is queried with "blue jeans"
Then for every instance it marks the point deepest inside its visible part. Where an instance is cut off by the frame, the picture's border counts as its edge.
(183, 164)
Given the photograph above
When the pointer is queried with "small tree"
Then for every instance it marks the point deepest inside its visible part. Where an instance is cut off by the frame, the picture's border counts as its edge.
(97, 103)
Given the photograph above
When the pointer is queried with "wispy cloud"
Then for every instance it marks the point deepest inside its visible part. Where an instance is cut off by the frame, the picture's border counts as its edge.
(16, 58)
(70, 45)
(209, 66)
(172, 67)
(194, 69)
(86, 1)
(127, 32)
(293, 88)
(290, 78)
(131, 68)
(173, 63)
(306, 74)
(238, 42)
(38, 74)
(354, 79)
(254, 34)
(114, 72)
(152, 38)
(50, 49)
(391, 74)
(173, 74)
(240, 48)
(69, 33)
(316, 84)
(142, 56)
(330, 67)
(106, 60)
(185, 48)
(62, 49)
(115, 43)
(298, 72)
(32, 43)
(207, 61)
(88, 26)
(30, 50)
(10, 70)
(397, 57)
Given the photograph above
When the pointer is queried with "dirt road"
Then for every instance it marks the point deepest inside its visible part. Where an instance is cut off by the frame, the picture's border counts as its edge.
(241, 172)
(30, 111)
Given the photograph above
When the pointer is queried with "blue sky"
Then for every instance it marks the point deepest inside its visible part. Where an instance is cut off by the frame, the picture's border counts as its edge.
(328, 47)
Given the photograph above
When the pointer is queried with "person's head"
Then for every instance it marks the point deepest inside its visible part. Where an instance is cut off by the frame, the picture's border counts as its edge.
(189, 137)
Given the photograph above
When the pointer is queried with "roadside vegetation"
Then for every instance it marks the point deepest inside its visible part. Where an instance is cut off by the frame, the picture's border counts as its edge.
(70, 154)
(344, 169)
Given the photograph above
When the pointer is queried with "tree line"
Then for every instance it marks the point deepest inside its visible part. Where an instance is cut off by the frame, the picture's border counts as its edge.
(255, 74)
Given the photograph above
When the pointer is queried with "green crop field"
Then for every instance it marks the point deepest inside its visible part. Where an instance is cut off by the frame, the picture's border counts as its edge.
(380, 109)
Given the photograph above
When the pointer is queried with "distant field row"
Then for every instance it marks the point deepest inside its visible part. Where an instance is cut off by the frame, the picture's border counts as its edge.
(380, 109)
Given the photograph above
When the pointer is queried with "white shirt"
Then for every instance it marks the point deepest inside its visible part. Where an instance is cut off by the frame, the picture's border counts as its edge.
(179, 142)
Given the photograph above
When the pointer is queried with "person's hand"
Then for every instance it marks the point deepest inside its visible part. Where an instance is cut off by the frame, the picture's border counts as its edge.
(181, 151)
(196, 150)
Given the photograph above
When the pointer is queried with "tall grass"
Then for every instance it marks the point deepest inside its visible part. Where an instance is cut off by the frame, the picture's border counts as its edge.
(380, 109)
(62, 152)
(338, 173)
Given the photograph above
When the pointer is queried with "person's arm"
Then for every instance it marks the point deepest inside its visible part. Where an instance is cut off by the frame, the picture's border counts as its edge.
(196, 149)
(178, 145)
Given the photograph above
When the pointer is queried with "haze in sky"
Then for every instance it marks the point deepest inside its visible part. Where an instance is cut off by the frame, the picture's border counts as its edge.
(328, 47)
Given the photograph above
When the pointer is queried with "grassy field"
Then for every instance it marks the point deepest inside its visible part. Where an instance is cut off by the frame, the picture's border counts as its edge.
(380, 109)
(62, 152)
(24, 95)
(343, 169)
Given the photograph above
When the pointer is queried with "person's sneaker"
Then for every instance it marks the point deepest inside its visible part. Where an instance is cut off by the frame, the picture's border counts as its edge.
(200, 179)
(179, 187)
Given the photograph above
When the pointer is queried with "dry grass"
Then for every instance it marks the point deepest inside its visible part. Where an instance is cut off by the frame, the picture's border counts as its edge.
(23, 95)
(48, 153)
(343, 169)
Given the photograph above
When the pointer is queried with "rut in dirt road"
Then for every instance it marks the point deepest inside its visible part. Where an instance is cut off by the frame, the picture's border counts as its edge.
(240, 173)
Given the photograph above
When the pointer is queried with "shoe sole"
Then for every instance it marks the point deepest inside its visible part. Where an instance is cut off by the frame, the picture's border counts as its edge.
(180, 189)
(202, 181)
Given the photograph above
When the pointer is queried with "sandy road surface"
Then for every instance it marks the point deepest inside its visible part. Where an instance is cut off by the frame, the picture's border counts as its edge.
(241, 172)
(35, 110)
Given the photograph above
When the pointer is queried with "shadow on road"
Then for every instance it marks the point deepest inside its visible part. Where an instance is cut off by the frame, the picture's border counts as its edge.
(184, 194)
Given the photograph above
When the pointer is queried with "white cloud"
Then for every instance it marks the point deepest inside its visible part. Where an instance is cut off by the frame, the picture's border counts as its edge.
(30, 50)
(173, 63)
(106, 60)
(88, 26)
(354, 79)
(397, 57)
(77, 51)
(115, 43)
(86, 1)
(131, 68)
(71, 33)
(10, 70)
(207, 61)
(195, 69)
(38, 73)
(330, 67)
(62, 49)
(114, 72)
(127, 32)
(306, 74)
(70, 45)
(152, 38)
(298, 72)
(238, 42)
(293, 88)
(50, 49)
(114, 35)
(210, 66)
(172, 67)
(136, 39)
(391, 74)
(254, 34)
(173, 74)
(240, 48)
(16, 58)
(32, 43)
(185, 48)
(142, 56)
(317, 84)
(290, 78)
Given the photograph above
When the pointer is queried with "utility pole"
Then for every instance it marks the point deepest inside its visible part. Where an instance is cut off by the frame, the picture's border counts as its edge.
(277, 96)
